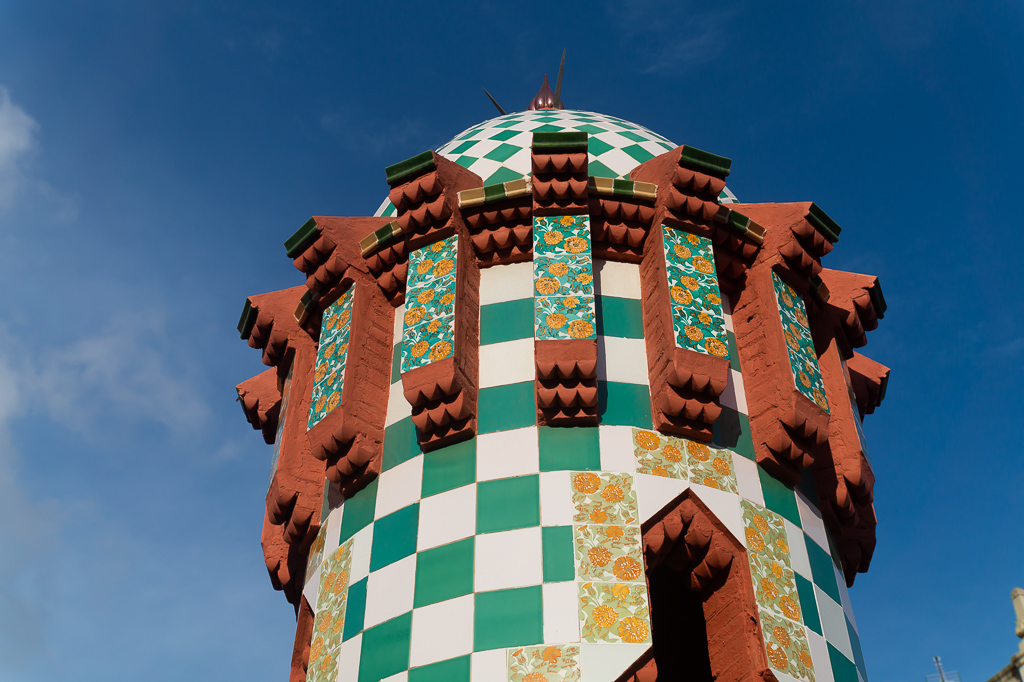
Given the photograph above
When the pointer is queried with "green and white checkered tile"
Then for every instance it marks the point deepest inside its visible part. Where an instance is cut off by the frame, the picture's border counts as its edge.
(498, 150)
(463, 557)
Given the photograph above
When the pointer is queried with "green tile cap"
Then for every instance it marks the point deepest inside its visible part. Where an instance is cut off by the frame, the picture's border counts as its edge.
(303, 237)
(247, 320)
(560, 142)
(822, 223)
(403, 171)
(704, 162)
(877, 300)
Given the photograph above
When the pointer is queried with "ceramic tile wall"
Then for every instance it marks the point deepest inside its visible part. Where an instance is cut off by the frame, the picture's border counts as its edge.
(482, 560)
(697, 315)
(282, 413)
(563, 278)
(329, 374)
(803, 361)
(429, 316)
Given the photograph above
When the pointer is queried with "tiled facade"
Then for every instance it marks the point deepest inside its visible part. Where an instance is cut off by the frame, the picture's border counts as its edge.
(563, 278)
(696, 299)
(331, 355)
(429, 333)
(803, 361)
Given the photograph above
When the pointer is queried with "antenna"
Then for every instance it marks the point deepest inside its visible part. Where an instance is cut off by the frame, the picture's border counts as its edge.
(942, 675)
(498, 106)
(558, 83)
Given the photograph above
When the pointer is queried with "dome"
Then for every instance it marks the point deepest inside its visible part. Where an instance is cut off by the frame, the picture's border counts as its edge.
(498, 150)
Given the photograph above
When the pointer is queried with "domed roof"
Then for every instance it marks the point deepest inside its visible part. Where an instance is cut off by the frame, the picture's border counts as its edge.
(498, 150)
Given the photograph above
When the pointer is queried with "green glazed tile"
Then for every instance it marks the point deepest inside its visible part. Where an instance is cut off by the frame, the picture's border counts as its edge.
(557, 545)
(448, 468)
(396, 364)
(808, 605)
(823, 571)
(503, 174)
(858, 653)
(779, 497)
(638, 153)
(569, 447)
(502, 152)
(732, 430)
(843, 670)
(507, 503)
(444, 572)
(400, 444)
(504, 135)
(385, 649)
(355, 610)
(506, 618)
(599, 170)
(597, 147)
(624, 404)
(358, 512)
(394, 536)
(452, 670)
(734, 355)
(503, 408)
(506, 321)
(619, 317)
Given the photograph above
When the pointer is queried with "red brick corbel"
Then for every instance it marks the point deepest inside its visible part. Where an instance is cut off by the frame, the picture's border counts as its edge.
(261, 402)
(791, 238)
(303, 638)
(786, 425)
(687, 537)
(856, 303)
(333, 259)
(869, 379)
(559, 177)
(685, 385)
(501, 231)
(619, 226)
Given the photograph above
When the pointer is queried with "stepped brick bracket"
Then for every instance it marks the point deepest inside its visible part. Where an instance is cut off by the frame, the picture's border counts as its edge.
(684, 331)
(424, 190)
(303, 636)
(797, 236)
(778, 358)
(261, 402)
(441, 339)
(686, 537)
(500, 221)
(621, 212)
(869, 380)
(326, 249)
(565, 321)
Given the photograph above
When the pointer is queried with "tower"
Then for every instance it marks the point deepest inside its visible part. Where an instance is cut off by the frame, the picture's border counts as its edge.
(565, 409)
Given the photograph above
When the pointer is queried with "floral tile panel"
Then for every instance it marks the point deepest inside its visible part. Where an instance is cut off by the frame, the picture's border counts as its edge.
(330, 616)
(563, 278)
(614, 612)
(559, 236)
(803, 360)
(697, 316)
(604, 498)
(659, 454)
(316, 552)
(429, 333)
(329, 373)
(548, 663)
(565, 317)
(608, 553)
(770, 565)
(785, 642)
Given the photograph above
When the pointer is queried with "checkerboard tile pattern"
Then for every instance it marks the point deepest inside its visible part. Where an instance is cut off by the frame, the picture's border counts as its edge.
(467, 561)
(498, 150)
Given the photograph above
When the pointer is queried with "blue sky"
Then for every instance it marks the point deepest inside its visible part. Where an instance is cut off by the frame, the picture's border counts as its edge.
(154, 156)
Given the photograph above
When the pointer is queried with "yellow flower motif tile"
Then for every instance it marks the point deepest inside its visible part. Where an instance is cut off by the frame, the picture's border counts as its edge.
(662, 455)
(785, 642)
(608, 553)
(770, 566)
(600, 497)
(614, 612)
(547, 663)
(330, 616)
(316, 552)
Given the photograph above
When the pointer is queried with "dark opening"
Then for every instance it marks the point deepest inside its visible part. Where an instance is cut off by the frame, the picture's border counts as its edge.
(677, 627)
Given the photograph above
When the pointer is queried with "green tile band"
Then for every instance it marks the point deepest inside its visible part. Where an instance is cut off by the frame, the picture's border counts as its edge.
(877, 299)
(822, 223)
(247, 320)
(704, 162)
(403, 171)
(302, 239)
(623, 188)
(548, 142)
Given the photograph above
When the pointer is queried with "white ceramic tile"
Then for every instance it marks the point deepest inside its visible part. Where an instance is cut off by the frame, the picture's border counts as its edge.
(844, 595)
(397, 677)
(398, 407)
(727, 312)
(783, 677)
(833, 623)
(622, 360)
(441, 631)
(362, 543)
(621, 280)
(606, 662)
(819, 656)
(561, 612)
(507, 453)
(798, 550)
(333, 530)
(748, 481)
(733, 396)
(500, 283)
(723, 505)
(555, 499)
(389, 591)
(311, 589)
(654, 492)
(617, 448)
(511, 558)
(447, 517)
(399, 325)
(810, 520)
(487, 666)
(508, 362)
(399, 487)
(348, 659)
